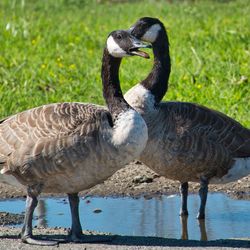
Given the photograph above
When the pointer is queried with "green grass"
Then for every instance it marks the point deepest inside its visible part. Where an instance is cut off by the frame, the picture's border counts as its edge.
(50, 51)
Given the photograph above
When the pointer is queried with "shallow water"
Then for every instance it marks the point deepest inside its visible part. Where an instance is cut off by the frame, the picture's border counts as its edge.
(225, 217)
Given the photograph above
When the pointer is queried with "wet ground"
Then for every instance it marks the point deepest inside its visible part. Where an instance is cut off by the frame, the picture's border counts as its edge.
(8, 240)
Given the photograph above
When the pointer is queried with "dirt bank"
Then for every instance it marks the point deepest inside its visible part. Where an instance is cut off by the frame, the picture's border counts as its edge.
(137, 179)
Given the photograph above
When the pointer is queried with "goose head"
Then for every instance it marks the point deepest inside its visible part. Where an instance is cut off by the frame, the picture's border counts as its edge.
(121, 43)
(151, 90)
(148, 29)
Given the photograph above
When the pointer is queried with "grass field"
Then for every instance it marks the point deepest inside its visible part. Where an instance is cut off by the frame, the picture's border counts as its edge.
(50, 51)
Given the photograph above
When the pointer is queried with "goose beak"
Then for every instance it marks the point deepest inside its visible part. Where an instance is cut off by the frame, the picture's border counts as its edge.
(136, 45)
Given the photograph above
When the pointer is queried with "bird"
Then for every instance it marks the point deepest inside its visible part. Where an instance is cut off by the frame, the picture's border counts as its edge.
(69, 147)
(187, 142)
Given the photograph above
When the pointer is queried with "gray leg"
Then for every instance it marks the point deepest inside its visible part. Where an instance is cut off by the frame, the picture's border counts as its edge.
(75, 234)
(184, 195)
(26, 235)
(203, 197)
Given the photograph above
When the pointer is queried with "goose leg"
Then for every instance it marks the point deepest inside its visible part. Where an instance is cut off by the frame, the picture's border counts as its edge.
(184, 195)
(75, 233)
(26, 234)
(203, 197)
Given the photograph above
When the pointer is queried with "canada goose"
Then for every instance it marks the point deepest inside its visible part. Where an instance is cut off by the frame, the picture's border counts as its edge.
(69, 147)
(187, 142)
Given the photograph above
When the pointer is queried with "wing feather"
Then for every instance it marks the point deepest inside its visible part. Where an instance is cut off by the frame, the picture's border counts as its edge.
(42, 133)
(193, 118)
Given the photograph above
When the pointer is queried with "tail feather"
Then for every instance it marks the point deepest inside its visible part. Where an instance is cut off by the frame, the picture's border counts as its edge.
(239, 169)
(9, 179)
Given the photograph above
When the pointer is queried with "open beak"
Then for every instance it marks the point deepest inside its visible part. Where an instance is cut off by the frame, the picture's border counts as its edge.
(136, 45)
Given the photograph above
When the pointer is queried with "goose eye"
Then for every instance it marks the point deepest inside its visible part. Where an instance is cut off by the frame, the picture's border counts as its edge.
(119, 37)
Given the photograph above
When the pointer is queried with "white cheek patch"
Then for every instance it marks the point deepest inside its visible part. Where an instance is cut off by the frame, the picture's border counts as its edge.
(114, 49)
(152, 33)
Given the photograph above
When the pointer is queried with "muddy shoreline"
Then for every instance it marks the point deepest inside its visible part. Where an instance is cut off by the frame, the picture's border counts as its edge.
(138, 180)
(135, 180)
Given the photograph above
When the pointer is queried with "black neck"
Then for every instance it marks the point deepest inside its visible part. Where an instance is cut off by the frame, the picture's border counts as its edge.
(157, 80)
(111, 84)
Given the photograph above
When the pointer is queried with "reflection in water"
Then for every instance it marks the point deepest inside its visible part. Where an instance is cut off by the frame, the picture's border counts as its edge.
(226, 218)
(40, 212)
(184, 231)
(184, 228)
(203, 231)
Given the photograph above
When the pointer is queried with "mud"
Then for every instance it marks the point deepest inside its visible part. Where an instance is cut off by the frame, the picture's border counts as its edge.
(138, 180)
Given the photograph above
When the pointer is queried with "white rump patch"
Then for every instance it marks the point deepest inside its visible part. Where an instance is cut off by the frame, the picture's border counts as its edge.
(240, 169)
(151, 35)
(140, 98)
(114, 49)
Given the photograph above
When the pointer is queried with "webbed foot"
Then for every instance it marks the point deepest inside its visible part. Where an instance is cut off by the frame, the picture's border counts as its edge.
(32, 241)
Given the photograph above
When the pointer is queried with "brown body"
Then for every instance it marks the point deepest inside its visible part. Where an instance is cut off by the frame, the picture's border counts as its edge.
(188, 141)
(58, 146)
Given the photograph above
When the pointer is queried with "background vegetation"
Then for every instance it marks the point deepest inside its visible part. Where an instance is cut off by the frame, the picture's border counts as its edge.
(50, 51)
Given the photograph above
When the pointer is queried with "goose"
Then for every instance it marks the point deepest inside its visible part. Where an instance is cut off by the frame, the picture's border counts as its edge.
(186, 141)
(69, 147)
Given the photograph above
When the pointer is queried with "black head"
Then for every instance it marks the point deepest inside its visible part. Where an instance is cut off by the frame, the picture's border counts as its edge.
(121, 43)
(147, 29)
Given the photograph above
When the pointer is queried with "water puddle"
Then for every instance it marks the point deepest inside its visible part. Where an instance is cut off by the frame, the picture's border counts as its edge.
(225, 217)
